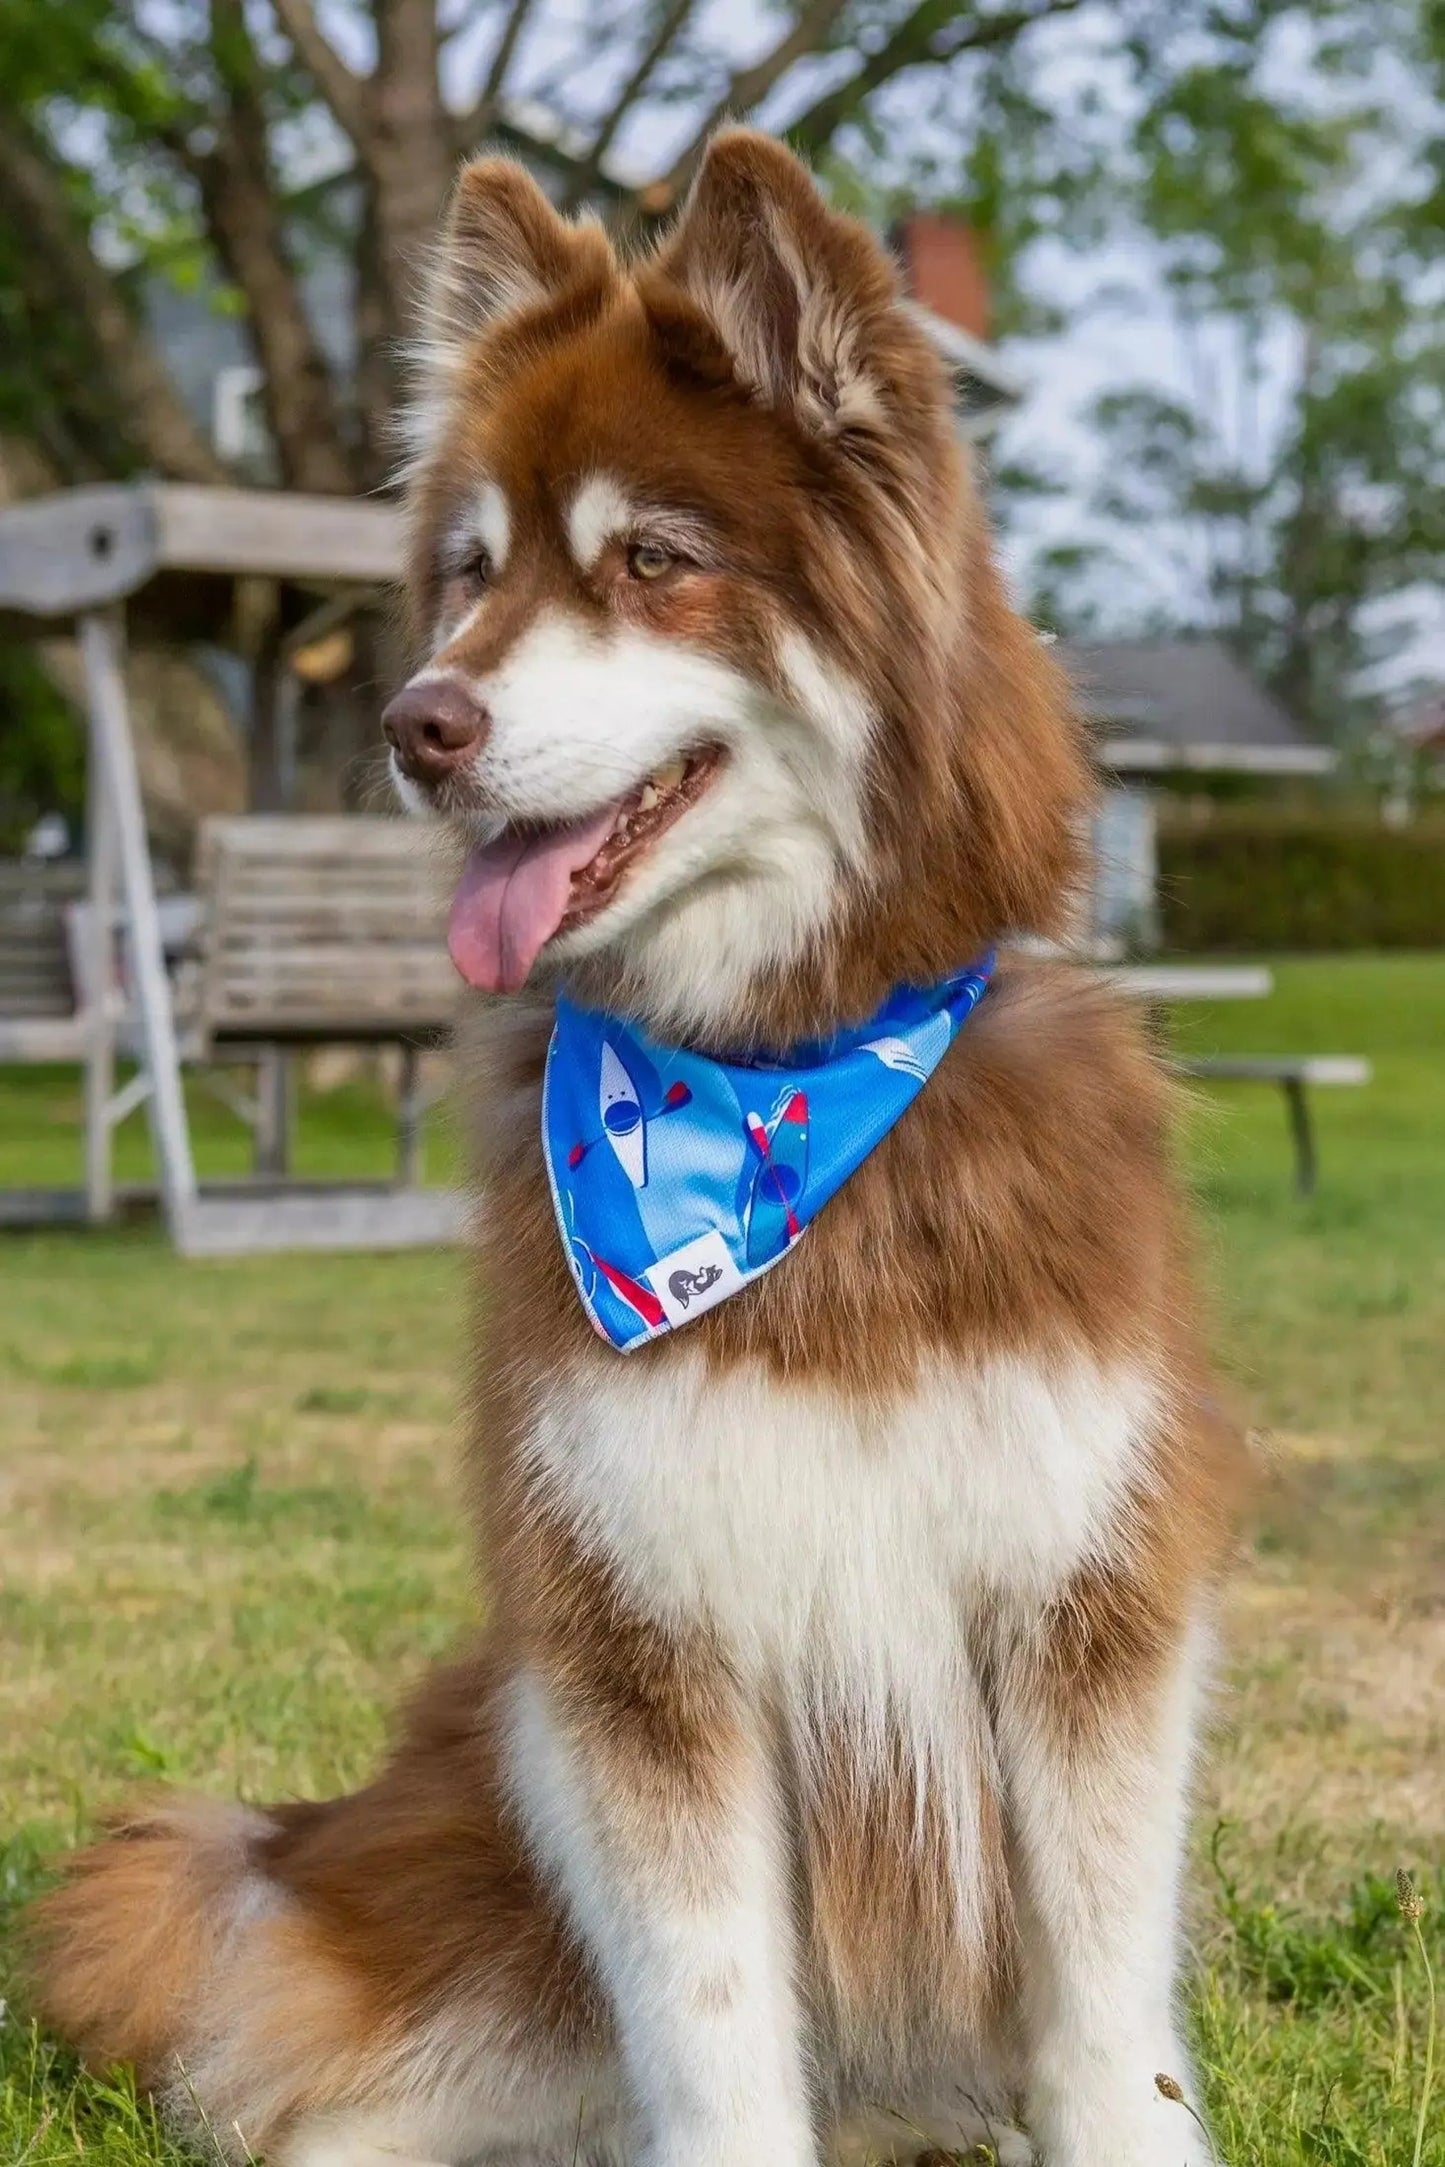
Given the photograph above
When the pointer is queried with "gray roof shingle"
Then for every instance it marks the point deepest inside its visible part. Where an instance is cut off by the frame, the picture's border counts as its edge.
(1185, 700)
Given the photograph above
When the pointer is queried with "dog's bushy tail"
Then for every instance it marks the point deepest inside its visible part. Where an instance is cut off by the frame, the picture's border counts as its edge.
(270, 1972)
(120, 1951)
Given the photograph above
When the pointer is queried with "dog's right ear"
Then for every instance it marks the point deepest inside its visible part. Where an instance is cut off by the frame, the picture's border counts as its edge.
(503, 250)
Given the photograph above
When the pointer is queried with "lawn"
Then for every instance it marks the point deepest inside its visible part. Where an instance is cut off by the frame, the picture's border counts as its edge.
(230, 1532)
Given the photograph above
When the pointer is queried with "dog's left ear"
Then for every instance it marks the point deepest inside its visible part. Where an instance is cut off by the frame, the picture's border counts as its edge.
(794, 292)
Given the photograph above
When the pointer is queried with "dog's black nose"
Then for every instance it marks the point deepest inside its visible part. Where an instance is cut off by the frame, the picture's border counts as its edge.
(434, 728)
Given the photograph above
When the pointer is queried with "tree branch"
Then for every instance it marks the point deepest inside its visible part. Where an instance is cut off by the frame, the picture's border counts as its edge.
(341, 90)
(410, 153)
(515, 128)
(242, 208)
(931, 32)
(745, 89)
(486, 109)
(497, 73)
(163, 431)
(670, 25)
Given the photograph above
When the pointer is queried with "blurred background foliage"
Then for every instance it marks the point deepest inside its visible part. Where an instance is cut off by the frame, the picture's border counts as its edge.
(1265, 180)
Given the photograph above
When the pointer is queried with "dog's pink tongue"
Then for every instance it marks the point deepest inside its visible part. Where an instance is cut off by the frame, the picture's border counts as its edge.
(511, 899)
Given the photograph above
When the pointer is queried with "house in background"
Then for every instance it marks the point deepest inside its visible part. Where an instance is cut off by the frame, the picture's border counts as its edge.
(1161, 705)
(1158, 707)
(1411, 746)
(948, 292)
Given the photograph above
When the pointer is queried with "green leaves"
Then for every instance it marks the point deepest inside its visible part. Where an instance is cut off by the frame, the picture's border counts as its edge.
(1266, 176)
(1281, 178)
(42, 762)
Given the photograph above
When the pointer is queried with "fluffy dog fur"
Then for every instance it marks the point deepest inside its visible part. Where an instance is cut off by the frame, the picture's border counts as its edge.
(826, 1758)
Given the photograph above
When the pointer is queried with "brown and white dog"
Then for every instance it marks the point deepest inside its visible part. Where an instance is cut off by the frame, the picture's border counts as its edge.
(823, 1775)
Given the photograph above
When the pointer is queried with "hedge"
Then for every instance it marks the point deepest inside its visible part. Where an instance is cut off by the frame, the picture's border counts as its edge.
(1257, 880)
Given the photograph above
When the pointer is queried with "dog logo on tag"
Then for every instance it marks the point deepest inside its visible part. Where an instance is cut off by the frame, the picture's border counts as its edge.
(694, 1278)
(683, 1286)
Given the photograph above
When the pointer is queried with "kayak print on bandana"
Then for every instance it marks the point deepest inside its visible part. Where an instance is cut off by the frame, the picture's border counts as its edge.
(677, 1178)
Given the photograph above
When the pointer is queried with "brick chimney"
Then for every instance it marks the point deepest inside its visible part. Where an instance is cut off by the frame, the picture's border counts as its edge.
(941, 268)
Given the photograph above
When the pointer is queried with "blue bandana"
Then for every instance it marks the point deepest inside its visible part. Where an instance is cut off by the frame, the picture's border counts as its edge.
(677, 1179)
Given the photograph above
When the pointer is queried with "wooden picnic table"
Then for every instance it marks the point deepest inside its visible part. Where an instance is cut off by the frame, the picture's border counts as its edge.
(1295, 1074)
(1193, 981)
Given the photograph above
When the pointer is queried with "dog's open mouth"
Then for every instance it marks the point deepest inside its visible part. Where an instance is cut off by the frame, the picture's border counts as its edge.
(533, 882)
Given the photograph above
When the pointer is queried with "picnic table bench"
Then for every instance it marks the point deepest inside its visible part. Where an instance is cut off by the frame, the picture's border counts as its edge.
(38, 1018)
(315, 931)
(1159, 983)
(318, 929)
(302, 932)
(1295, 1074)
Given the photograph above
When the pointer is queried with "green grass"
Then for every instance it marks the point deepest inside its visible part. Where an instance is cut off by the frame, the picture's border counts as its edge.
(230, 1531)
(341, 1132)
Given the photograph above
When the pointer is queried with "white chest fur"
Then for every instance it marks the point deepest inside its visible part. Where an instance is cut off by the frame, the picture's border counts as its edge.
(840, 1552)
(826, 1539)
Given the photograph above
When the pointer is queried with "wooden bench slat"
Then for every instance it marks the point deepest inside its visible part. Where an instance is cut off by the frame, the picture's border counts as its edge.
(343, 836)
(332, 923)
(321, 964)
(27, 1040)
(337, 925)
(1311, 1068)
(37, 994)
(1191, 981)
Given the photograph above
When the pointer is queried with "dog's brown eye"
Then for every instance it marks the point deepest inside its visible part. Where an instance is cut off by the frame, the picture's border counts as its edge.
(649, 560)
(477, 570)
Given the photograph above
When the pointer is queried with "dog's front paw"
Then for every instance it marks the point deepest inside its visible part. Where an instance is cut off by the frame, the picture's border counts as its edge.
(1013, 2148)
(998, 2144)
(785, 2140)
(1138, 2118)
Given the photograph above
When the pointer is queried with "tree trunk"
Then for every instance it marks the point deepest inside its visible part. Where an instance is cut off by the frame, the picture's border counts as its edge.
(378, 388)
(245, 213)
(297, 393)
(409, 158)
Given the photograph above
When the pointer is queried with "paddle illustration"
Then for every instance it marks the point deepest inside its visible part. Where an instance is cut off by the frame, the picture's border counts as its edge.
(782, 1150)
(624, 1123)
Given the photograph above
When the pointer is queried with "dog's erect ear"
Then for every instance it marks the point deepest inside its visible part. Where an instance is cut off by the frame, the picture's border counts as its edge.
(503, 250)
(793, 290)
